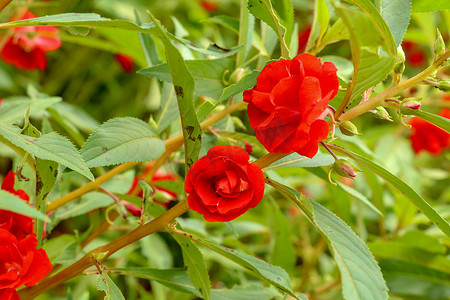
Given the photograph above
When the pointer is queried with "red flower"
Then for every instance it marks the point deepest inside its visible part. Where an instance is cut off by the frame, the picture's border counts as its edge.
(26, 48)
(19, 225)
(125, 61)
(428, 137)
(208, 5)
(20, 263)
(223, 185)
(286, 105)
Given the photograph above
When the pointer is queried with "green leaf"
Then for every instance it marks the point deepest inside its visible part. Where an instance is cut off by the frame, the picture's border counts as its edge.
(183, 82)
(195, 266)
(262, 9)
(322, 17)
(226, 21)
(247, 82)
(169, 108)
(437, 120)
(13, 109)
(77, 116)
(148, 46)
(272, 274)
(361, 276)
(397, 14)
(13, 203)
(360, 197)
(285, 13)
(111, 290)
(88, 203)
(402, 187)
(207, 75)
(296, 160)
(50, 146)
(429, 5)
(122, 140)
(61, 249)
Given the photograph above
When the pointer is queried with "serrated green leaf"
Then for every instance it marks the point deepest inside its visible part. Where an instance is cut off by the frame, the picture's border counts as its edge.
(402, 187)
(207, 75)
(13, 203)
(285, 13)
(272, 274)
(397, 14)
(361, 275)
(50, 146)
(13, 109)
(429, 5)
(184, 85)
(122, 140)
(437, 120)
(263, 10)
(111, 290)
(195, 266)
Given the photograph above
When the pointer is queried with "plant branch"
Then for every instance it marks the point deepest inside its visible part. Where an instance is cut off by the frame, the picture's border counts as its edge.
(379, 100)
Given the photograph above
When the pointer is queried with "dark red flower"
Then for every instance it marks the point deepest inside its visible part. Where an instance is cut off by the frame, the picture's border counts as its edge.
(125, 61)
(428, 137)
(287, 104)
(26, 48)
(208, 5)
(17, 224)
(223, 185)
(20, 263)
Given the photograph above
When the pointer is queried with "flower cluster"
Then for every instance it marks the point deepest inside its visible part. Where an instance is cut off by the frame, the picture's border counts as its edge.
(287, 104)
(20, 262)
(26, 48)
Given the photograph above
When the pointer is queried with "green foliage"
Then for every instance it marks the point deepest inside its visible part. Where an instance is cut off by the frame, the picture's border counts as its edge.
(108, 286)
(13, 203)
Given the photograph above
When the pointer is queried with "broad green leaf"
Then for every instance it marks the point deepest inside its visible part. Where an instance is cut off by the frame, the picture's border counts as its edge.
(437, 120)
(194, 265)
(122, 140)
(13, 203)
(111, 290)
(183, 82)
(263, 10)
(378, 22)
(50, 146)
(296, 160)
(285, 13)
(429, 5)
(207, 75)
(13, 109)
(272, 274)
(46, 172)
(397, 14)
(361, 275)
(402, 187)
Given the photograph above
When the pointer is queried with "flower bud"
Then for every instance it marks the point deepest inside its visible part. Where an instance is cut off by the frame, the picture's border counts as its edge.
(236, 76)
(348, 128)
(400, 65)
(345, 169)
(410, 103)
(439, 44)
(444, 85)
(133, 209)
(381, 113)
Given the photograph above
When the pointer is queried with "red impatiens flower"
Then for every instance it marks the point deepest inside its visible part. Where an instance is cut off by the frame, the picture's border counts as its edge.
(20, 263)
(287, 104)
(428, 137)
(17, 224)
(125, 61)
(223, 185)
(26, 48)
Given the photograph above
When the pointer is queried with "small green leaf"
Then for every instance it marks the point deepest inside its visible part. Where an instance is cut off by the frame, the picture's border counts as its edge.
(111, 290)
(437, 120)
(13, 203)
(50, 146)
(402, 187)
(361, 276)
(122, 140)
(195, 266)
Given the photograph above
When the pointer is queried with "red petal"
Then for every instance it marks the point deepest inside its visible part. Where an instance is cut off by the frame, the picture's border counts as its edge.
(262, 101)
(286, 92)
(256, 177)
(235, 153)
(8, 182)
(318, 132)
(272, 74)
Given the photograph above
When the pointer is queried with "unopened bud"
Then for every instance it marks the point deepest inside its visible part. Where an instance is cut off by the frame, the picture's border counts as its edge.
(348, 128)
(381, 113)
(345, 169)
(133, 209)
(410, 103)
(237, 75)
(400, 64)
(439, 44)
(444, 85)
